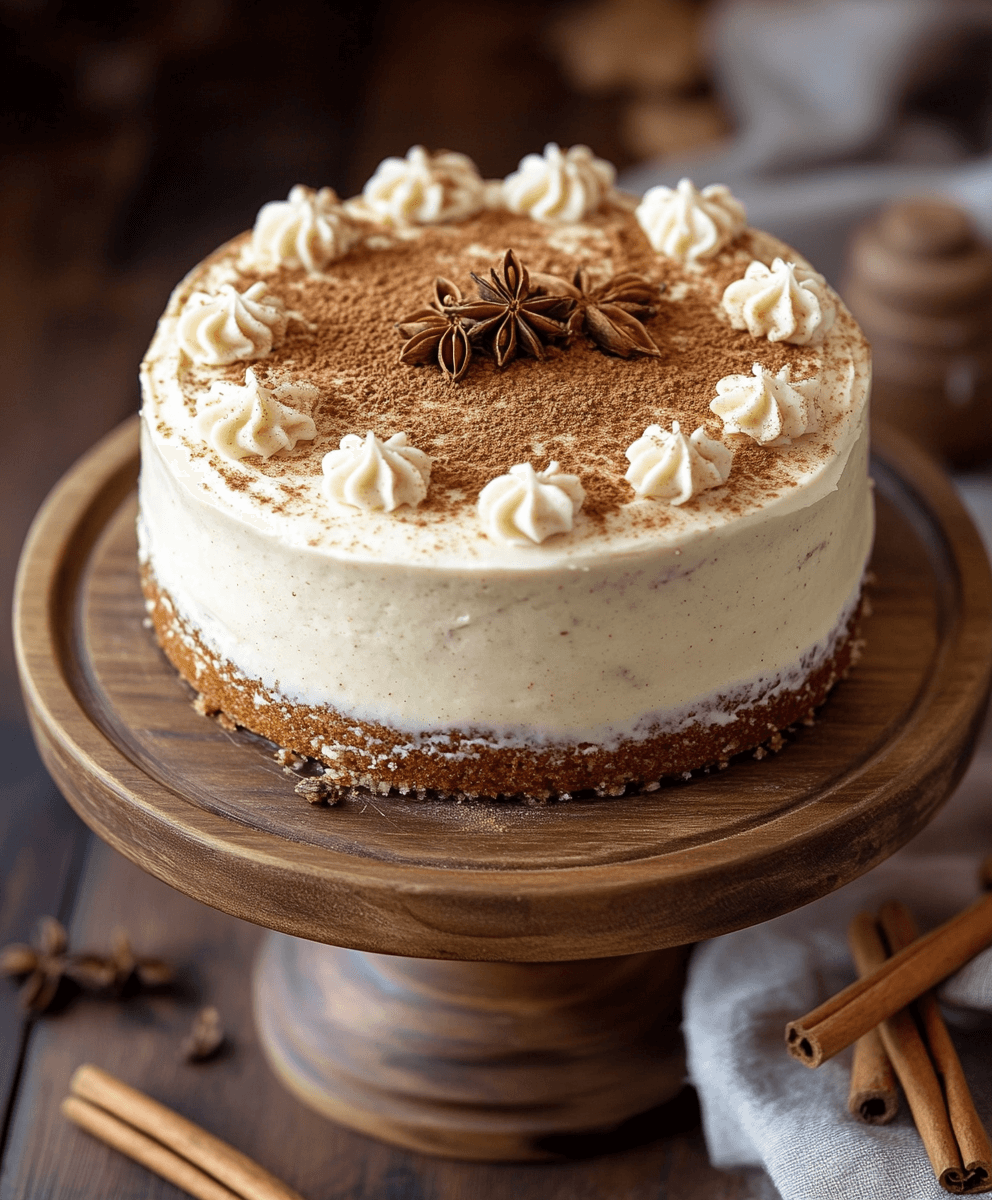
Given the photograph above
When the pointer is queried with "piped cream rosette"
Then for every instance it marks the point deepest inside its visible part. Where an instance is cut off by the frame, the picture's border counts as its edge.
(527, 506)
(559, 185)
(673, 467)
(241, 420)
(375, 475)
(218, 329)
(771, 409)
(424, 188)
(783, 303)
(309, 229)
(688, 224)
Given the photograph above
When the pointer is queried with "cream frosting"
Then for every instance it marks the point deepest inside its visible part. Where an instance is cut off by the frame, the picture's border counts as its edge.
(688, 224)
(218, 329)
(239, 421)
(425, 189)
(527, 506)
(309, 229)
(559, 185)
(673, 467)
(375, 475)
(771, 409)
(785, 302)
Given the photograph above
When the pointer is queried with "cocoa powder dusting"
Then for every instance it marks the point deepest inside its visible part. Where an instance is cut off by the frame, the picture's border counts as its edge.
(578, 405)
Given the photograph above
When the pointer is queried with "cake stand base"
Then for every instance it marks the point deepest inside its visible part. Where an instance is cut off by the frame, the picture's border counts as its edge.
(466, 1059)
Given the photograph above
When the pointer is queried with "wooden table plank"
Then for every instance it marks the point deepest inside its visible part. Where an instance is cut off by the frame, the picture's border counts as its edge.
(239, 1099)
(41, 847)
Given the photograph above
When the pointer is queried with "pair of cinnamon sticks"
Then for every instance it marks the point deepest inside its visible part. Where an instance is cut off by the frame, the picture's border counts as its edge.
(165, 1142)
(841, 1020)
(915, 1044)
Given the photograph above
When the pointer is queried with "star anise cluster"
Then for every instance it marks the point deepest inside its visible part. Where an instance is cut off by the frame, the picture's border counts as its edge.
(47, 968)
(517, 313)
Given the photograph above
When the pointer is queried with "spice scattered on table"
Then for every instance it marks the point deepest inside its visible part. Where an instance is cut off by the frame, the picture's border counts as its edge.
(206, 1036)
(46, 965)
(42, 965)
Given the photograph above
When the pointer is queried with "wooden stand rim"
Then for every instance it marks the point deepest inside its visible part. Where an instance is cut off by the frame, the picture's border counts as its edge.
(575, 907)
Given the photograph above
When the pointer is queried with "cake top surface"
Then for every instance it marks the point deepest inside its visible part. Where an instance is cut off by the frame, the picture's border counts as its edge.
(301, 439)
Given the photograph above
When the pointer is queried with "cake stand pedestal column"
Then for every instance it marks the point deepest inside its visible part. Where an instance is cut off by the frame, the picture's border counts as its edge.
(537, 952)
(471, 1060)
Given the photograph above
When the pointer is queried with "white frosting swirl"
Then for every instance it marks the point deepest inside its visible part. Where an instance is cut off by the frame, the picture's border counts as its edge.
(673, 467)
(771, 409)
(238, 421)
(310, 229)
(231, 325)
(783, 302)
(425, 189)
(689, 224)
(529, 506)
(559, 185)
(376, 475)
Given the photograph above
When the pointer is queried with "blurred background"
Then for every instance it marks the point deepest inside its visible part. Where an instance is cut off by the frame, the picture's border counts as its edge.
(138, 135)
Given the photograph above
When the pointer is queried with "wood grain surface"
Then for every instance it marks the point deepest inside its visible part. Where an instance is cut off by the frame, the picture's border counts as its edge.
(212, 813)
(470, 1060)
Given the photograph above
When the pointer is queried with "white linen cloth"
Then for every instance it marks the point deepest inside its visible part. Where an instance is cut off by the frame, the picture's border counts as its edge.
(762, 1108)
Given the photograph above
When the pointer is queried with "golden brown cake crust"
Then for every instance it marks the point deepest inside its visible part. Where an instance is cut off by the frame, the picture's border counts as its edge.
(556, 770)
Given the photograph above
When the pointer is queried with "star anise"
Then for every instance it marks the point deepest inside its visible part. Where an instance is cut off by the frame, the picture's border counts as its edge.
(438, 332)
(510, 317)
(129, 971)
(46, 963)
(205, 1038)
(42, 965)
(610, 314)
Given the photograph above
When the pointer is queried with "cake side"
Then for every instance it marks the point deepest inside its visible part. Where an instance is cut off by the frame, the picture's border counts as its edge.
(471, 762)
(597, 650)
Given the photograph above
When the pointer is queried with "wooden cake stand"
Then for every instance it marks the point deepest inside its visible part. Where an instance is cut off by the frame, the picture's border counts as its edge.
(481, 978)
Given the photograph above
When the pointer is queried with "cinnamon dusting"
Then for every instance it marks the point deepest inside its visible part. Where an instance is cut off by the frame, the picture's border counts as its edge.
(579, 406)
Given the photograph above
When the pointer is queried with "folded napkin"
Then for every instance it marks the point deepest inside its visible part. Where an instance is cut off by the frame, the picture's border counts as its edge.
(762, 1108)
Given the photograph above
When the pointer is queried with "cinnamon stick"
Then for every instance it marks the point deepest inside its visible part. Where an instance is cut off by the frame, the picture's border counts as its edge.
(897, 981)
(900, 929)
(238, 1173)
(873, 1096)
(912, 1064)
(144, 1150)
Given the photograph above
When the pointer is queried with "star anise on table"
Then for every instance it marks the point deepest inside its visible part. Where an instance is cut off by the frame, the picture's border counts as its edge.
(510, 317)
(130, 971)
(205, 1038)
(42, 965)
(438, 332)
(611, 314)
(46, 963)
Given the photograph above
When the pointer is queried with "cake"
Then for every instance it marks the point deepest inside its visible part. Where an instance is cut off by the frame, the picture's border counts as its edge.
(521, 488)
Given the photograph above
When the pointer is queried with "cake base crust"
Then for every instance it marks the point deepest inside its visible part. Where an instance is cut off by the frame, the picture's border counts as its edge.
(372, 756)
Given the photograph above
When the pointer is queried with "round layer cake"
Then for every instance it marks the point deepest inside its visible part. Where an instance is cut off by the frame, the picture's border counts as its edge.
(506, 488)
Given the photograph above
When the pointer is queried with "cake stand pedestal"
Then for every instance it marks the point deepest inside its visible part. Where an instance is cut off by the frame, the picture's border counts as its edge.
(479, 980)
